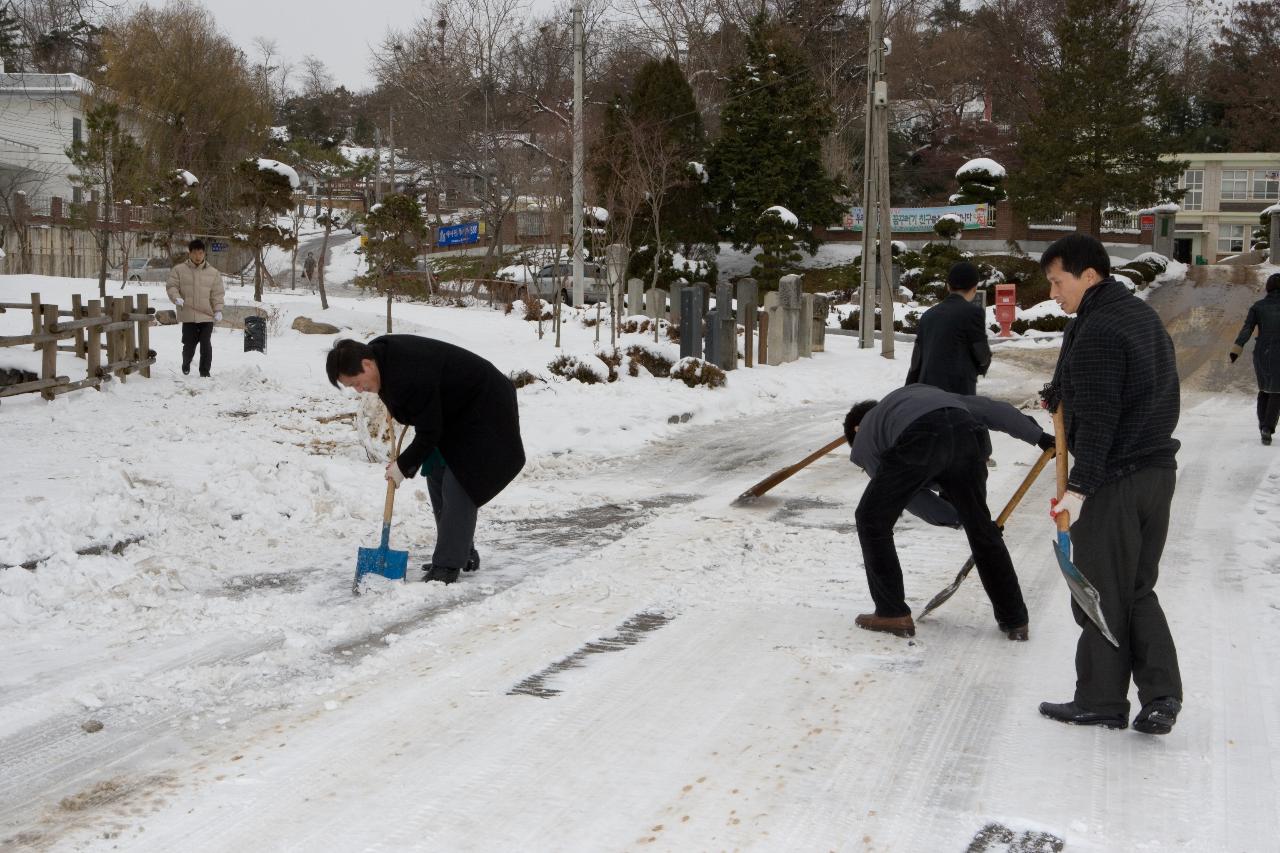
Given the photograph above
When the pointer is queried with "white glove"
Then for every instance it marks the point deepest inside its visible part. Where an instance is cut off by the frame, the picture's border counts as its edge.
(1071, 503)
(394, 474)
(217, 316)
(179, 302)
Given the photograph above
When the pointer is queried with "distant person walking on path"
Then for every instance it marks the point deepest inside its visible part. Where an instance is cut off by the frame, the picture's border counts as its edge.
(951, 349)
(917, 439)
(195, 288)
(1118, 383)
(1264, 315)
(309, 266)
(466, 430)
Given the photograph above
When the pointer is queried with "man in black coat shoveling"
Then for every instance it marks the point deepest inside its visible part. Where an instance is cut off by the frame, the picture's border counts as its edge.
(1117, 379)
(466, 430)
(920, 437)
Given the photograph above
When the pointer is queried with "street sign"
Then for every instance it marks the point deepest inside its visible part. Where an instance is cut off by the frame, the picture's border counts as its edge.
(217, 246)
(458, 235)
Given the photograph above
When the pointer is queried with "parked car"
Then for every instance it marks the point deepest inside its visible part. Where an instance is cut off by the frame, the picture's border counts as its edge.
(145, 269)
(594, 281)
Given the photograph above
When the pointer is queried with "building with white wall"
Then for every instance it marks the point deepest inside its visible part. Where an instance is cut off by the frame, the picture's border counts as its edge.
(1225, 194)
(41, 115)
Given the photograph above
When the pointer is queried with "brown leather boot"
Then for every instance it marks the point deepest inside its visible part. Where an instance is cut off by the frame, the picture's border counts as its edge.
(899, 626)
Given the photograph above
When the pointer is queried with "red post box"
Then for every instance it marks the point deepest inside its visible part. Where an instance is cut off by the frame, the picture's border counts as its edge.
(1006, 307)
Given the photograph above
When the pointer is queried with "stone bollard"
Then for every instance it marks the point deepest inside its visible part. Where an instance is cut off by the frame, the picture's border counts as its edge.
(652, 307)
(727, 335)
(690, 323)
(821, 308)
(674, 315)
(635, 297)
(774, 311)
(748, 299)
(713, 337)
(804, 328)
(789, 304)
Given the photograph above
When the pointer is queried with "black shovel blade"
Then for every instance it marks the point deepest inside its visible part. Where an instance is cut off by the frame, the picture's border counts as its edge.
(1084, 593)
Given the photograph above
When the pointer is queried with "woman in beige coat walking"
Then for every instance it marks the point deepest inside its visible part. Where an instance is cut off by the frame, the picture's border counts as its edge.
(195, 288)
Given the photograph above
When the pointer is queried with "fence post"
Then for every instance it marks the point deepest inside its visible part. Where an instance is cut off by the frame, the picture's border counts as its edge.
(144, 335)
(77, 313)
(116, 349)
(49, 361)
(763, 318)
(130, 338)
(748, 295)
(36, 319)
(93, 348)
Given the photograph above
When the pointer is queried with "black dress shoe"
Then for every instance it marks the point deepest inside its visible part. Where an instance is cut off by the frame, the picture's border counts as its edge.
(473, 562)
(1266, 438)
(1018, 634)
(1073, 714)
(1158, 716)
(186, 370)
(443, 574)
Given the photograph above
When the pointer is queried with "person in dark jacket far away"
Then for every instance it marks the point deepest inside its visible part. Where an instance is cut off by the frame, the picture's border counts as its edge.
(1118, 383)
(466, 426)
(1264, 315)
(951, 349)
(919, 438)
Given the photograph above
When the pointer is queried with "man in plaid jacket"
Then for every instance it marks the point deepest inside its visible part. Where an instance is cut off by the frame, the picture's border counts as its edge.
(1118, 382)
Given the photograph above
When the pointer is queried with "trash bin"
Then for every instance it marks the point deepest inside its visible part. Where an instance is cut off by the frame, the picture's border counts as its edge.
(1200, 261)
(255, 334)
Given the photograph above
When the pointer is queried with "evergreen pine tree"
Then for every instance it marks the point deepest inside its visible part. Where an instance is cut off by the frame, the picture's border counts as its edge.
(173, 206)
(769, 151)
(1093, 143)
(265, 194)
(979, 185)
(396, 229)
(776, 238)
(10, 38)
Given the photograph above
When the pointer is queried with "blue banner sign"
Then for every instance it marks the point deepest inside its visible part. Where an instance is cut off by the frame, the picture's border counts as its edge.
(458, 235)
(922, 218)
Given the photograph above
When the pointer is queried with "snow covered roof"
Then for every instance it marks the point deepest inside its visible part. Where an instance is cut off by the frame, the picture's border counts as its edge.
(981, 164)
(280, 169)
(783, 214)
(1166, 207)
(45, 84)
(1273, 209)
(187, 178)
(699, 170)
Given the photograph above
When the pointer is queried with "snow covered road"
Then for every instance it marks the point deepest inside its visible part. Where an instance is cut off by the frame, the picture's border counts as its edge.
(637, 666)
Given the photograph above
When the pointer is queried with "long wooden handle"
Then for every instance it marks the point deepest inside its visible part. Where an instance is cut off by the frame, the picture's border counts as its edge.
(1060, 442)
(778, 476)
(391, 486)
(1026, 484)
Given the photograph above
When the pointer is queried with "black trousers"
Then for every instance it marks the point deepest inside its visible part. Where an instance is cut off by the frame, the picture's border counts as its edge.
(946, 447)
(1268, 411)
(201, 333)
(455, 514)
(1117, 544)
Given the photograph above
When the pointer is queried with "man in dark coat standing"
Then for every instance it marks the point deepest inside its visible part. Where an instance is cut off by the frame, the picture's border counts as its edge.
(1264, 315)
(1118, 383)
(951, 349)
(466, 430)
(920, 437)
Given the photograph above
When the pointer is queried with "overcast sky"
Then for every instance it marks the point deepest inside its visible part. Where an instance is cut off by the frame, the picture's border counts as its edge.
(341, 34)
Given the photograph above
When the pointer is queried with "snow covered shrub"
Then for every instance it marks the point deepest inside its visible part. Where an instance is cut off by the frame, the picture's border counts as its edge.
(948, 227)
(521, 378)
(636, 325)
(694, 372)
(535, 309)
(570, 367)
(612, 360)
(651, 360)
(1047, 323)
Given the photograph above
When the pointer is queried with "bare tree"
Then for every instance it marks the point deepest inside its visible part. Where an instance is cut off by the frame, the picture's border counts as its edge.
(18, 188)
(316, 79)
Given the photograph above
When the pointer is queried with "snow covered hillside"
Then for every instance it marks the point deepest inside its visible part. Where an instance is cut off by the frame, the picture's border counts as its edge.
(636, 665)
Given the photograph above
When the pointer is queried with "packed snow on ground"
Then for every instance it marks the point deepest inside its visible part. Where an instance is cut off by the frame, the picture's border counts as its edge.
(636, 664)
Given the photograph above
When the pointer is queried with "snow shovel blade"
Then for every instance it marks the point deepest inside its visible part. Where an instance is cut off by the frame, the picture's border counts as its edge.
(1081, 590)
(941, 598)
(382, 561)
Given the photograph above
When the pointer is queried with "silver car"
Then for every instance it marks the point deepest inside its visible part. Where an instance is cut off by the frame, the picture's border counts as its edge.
(553, 276)
(148, 269)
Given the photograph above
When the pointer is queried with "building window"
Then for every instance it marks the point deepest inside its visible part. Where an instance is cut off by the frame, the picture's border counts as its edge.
(1193, 183)
(76, 132)
(1266, 185)
(77, 195)
(1231, 238)
(1235, 184)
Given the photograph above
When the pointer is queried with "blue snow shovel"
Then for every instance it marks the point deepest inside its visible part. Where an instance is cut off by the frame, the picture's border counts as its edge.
(382, 560)
(1082, 591)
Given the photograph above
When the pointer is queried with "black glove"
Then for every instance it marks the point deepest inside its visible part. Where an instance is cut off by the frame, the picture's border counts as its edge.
(1233, 356)
(1046, 442)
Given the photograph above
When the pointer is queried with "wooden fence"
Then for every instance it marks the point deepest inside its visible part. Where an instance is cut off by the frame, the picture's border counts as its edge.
(113, 337)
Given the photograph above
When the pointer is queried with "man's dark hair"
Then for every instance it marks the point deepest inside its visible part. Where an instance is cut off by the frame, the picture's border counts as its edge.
(1273, 282)
(197, 243)
(1077, 252)
(855, 416)
(963, 276)
(345, 359)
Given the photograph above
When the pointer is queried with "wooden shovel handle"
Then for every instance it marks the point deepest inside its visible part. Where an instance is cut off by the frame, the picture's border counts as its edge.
(1060, 443)
(778, 476)
(1026, 484)
(391, 487)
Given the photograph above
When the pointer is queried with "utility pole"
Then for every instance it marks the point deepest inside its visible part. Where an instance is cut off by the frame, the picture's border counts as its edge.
(391, 143)
(377, 162)
(577, 154)
(876, 220)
